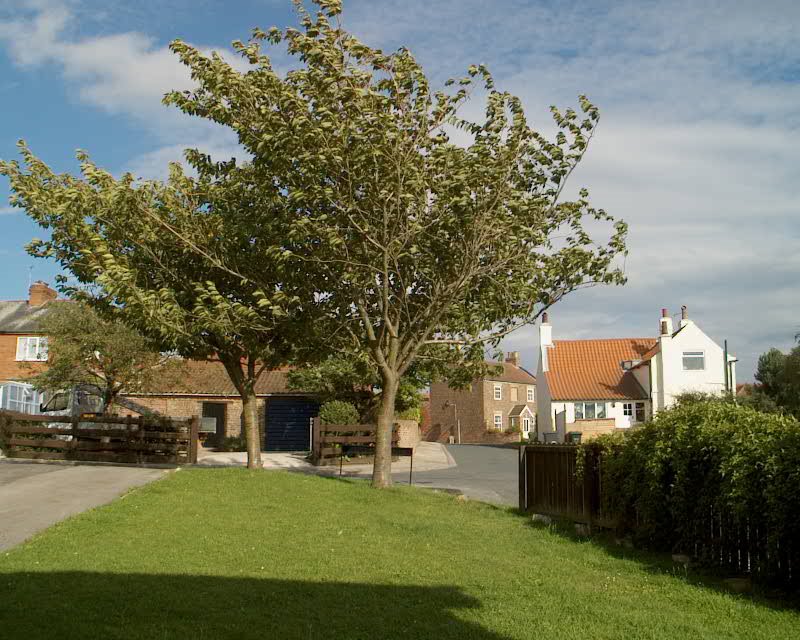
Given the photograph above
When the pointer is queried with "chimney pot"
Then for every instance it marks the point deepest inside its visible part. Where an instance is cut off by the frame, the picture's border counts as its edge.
(513, 357)
(40, 293)
(684, 313)
(664, 313)
(545, 318)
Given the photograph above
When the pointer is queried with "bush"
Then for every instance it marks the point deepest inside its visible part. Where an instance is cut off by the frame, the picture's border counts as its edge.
(705, 460)
(338, 412)
(412, 413)
(229, 443)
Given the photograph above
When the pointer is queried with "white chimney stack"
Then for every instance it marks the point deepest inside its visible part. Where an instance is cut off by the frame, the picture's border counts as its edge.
(545, 331)
(665, 327)
(545, 340)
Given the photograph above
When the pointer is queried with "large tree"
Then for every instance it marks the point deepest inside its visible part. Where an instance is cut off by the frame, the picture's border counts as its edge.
(420, 247)
(148, 253)
(83, 348)
(423, 246)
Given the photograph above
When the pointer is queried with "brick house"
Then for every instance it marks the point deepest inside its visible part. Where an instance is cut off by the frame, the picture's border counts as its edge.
(496, 408)
(23, 348)
(203, 388)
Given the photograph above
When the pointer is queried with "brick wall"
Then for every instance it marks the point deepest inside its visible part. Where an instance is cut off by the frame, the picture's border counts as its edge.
(476, 409)
(187, 406)
(592, 428)
(469, 405)
(10, 369)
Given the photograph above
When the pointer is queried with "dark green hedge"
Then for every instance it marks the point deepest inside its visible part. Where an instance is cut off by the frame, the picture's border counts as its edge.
(709, 478)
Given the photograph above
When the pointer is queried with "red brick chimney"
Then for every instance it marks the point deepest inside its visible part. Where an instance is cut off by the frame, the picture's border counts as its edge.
(512, 357)
(40, 294)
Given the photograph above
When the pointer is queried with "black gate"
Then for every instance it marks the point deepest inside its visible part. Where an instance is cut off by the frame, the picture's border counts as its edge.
(288, 425)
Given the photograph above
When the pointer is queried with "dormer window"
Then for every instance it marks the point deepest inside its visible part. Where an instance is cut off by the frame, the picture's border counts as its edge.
(694, 361)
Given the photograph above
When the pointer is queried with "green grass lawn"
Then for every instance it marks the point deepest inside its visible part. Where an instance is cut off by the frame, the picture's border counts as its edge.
(228, 553)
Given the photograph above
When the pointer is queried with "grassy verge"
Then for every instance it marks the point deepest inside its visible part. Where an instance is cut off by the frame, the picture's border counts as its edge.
(227, 553)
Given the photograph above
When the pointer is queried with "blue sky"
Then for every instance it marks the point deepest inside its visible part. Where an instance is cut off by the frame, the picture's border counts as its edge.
(697, 148)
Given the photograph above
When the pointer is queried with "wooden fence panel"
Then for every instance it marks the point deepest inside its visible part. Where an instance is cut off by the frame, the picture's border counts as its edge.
(329, 438)
(550, 484)
(100, 439)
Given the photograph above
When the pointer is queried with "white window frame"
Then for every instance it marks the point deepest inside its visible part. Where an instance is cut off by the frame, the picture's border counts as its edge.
(531, 394)
(31, 349)
(526, 424)
(627, 409)
(696, 355)
(581, 415)
(498, 391)
(498, 420)
(643, 407)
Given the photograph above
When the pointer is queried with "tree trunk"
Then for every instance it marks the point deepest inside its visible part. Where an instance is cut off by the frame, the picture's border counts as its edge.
(250, 425)
(382, 467)
(245, 385)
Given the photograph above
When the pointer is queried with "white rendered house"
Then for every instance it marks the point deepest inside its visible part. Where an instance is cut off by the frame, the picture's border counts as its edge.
(597, 386)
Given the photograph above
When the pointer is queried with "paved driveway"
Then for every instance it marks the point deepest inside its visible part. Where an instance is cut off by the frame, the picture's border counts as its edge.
(35, 496)
(483, 472)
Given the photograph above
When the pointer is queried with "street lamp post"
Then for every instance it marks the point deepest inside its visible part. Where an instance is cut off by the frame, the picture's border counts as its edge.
(449, 403)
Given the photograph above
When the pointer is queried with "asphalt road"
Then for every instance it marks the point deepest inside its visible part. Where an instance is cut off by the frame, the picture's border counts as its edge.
(35, 496)
(483, 472)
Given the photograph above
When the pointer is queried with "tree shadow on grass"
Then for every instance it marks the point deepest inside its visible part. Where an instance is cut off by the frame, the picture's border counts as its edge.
(105, 605)
(660, 563)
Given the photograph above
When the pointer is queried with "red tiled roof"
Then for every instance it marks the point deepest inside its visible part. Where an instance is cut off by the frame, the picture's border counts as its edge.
(512, 373)
(591, 369)
(196, 377)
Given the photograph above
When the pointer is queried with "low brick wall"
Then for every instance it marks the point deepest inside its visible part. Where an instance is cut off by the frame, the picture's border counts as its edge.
(592, 428)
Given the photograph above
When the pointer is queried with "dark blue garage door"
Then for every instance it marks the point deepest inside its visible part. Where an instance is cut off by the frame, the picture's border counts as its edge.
(289, 424)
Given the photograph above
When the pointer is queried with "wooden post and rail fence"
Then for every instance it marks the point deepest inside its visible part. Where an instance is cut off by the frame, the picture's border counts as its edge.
(114, 439)
(332, 443)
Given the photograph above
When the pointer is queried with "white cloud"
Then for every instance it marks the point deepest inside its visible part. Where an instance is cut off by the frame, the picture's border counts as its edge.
(123, 73)
(696, 148)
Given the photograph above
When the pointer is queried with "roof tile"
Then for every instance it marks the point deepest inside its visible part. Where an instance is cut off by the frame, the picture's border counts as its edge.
(591, 369)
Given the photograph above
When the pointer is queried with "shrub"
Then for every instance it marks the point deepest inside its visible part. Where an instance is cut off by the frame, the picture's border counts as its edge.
(412, 413)
(229, 443)
(705, 461)
(338, 412)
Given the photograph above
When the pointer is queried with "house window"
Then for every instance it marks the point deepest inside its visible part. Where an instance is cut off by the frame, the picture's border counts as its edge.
(498, 421)
(498, 392)
(640, 417)
(627, 409)
(514, 394)
(526, 424)
(694, 361)
(32, 349)
(590, 410)
(20, 397)
(531, 394)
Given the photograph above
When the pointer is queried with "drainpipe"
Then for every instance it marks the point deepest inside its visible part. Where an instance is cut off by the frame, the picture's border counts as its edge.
(726, 365)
